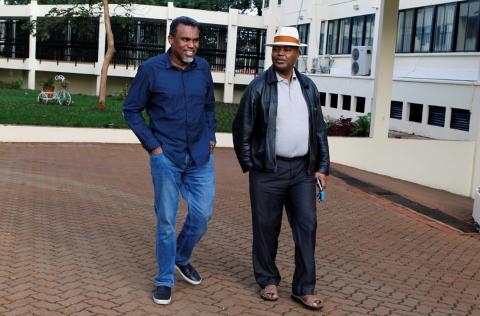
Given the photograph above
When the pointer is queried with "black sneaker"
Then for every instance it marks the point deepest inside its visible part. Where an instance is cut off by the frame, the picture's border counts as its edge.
(162, 295)
(189, 274)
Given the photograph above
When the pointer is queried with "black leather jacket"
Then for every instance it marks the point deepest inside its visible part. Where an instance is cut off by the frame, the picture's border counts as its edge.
(255, 124)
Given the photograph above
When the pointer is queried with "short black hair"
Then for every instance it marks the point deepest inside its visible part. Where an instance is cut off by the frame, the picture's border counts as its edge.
(185, 20)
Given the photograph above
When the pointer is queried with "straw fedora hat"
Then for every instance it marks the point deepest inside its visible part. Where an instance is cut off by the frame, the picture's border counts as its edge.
(287, 36)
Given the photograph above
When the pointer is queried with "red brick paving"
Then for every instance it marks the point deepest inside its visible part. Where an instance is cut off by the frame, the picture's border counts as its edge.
(77, 238)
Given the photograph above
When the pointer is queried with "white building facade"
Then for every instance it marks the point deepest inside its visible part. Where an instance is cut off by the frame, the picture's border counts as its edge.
(436, 81)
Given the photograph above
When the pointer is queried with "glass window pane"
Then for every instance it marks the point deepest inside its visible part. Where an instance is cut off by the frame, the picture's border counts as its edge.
(408, 32)
(462, 26)
(369, 25)
(303, 32)
(322, 38)
(344, 40)
(427, 29)
(357, 30)
(332, 39)
(449, 20)
(419, 30)
(423, 30)
(468, 26)
(439, 30)
(400, 27)
(444, 28)
(473, 28)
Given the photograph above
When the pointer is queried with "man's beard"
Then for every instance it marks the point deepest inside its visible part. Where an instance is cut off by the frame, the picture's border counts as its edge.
(187, 60)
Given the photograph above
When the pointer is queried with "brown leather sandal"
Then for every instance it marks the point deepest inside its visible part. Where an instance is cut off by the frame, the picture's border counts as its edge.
(269, 293)
(313, 305)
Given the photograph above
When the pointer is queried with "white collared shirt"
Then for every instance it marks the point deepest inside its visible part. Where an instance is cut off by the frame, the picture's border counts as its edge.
(292, 130)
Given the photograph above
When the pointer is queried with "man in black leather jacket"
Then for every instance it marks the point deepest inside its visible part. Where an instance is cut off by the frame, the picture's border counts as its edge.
(279, 137)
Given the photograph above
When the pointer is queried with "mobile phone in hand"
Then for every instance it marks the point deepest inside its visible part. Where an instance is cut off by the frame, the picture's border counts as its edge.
(321, 193)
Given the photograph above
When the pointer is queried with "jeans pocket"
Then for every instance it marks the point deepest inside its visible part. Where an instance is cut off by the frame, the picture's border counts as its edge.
(156, 155)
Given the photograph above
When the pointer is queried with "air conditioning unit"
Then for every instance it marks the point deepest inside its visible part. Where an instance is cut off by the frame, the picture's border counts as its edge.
(476, 209)
(302, 64)
(361, 60)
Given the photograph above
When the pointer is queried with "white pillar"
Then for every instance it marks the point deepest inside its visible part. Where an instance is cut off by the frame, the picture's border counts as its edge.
(475, 127)
(448, 117)
(384, 61)
(425, 114)
(231, 53)
(170, 17)
(313, 37)
(405, 112)
(32, 48)
(102, 35)
(271, 22)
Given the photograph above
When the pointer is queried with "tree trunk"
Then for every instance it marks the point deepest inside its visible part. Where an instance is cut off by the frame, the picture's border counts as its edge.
(108, 57)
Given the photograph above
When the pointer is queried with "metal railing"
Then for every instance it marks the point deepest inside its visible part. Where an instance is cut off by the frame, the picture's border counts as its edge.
(68, 51)
(217, 58)
(14, 49)
(250, 52)
(136, 54)
(249, 63)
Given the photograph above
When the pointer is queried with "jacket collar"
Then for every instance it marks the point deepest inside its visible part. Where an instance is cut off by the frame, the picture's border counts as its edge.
(271, 76)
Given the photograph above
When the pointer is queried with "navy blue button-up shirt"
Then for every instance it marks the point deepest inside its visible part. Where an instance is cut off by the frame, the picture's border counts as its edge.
(180, 105)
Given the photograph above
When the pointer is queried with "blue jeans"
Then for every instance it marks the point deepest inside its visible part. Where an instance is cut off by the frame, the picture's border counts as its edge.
(197, 185)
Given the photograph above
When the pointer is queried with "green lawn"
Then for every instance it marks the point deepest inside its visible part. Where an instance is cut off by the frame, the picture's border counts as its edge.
(21, 107)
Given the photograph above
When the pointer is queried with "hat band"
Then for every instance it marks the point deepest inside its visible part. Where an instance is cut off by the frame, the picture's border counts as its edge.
(285, 38)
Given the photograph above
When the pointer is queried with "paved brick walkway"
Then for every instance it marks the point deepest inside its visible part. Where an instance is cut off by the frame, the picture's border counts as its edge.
(76, 238)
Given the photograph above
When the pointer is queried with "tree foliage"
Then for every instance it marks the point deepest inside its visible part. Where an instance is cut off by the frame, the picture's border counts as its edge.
(211, 5)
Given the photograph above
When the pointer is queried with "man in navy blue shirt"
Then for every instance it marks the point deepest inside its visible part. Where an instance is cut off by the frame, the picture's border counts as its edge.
(176, 89)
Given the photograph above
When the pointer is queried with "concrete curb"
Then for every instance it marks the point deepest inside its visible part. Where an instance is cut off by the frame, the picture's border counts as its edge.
(47, 134)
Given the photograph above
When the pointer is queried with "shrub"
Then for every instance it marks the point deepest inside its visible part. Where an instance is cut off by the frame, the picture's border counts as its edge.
(47, 84)
(362, 126)
(11, 84)
(342, 127)
(328, 124)
(122, 94)
(345, 127)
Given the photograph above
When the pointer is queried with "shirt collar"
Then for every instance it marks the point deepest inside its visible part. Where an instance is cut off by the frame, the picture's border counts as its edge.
(170, 65)
(281, 79)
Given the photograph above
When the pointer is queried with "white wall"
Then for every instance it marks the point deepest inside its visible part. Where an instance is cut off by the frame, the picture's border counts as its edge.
(442, 165)
(438, 164)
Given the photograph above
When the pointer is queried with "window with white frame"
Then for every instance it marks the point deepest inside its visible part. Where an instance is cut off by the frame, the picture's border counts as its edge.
(332, 37)
(322, 38)
(303, 32)
(460, 119)
(405, 31)
(347, 32)
(444, 22)
(358, 24)
(468, 27)
(448, 27)
(396, 109)
(436, 115)
(369, 27)
(423, 30)
(344, 40)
